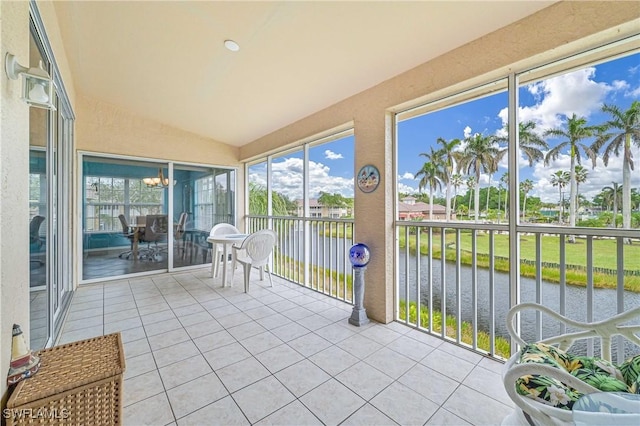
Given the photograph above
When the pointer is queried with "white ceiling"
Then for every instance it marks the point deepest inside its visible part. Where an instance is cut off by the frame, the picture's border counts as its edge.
(166, 61)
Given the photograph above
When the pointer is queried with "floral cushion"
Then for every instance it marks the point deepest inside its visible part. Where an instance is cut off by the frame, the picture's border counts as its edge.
(630, 370)
(596, 372)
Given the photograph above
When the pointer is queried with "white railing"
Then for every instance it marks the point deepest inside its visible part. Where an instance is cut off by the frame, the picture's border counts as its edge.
(597, 277)
(312, 252)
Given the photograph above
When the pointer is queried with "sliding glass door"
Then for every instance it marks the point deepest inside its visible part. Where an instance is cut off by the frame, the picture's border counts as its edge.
(140, 216)
(119, 196)
(202, 198)
(50, 166)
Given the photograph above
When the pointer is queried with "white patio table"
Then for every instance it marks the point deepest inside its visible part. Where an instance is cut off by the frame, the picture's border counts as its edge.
(226, 241)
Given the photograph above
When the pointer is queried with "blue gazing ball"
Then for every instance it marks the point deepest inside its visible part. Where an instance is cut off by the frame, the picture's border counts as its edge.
(359, 255)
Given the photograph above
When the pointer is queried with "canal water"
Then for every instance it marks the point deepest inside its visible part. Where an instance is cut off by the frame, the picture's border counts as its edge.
(604, 300)
(330, 252)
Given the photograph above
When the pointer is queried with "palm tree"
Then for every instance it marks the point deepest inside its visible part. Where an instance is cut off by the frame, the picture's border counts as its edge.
(622, 130)
(448, 155)
(530, 143)
(576, 131)
(525, 186)
(581, 177)
(635, 198)
(486, 208)
(560, 179)
(456, 181)
(500, 188)
(604, 199)
(505, 179)
(481, 154)
(433, 174)
(612, 194)
(471, 184)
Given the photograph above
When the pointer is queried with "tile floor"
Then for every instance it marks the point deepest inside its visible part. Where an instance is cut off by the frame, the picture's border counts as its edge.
(199, 354)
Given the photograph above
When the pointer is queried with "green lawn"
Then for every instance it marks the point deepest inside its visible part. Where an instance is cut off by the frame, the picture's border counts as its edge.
(604, 256)
(604, 251)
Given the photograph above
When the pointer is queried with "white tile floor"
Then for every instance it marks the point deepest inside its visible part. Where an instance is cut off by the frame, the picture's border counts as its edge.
(199, 354)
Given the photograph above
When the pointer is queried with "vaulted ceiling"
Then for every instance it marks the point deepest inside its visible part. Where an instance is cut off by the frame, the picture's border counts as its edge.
(166, 60)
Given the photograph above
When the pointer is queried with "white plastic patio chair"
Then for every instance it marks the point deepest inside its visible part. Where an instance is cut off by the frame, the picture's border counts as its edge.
(254, 252)
(217, 249)
(529, 411)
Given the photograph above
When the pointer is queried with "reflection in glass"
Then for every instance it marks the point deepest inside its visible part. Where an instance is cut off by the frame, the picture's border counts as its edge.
(116, 205)
(202, 198)
(127, 223)
(40, 175)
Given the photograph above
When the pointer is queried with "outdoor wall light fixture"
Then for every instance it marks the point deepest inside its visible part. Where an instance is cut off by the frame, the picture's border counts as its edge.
(37, 87)
(157, 182)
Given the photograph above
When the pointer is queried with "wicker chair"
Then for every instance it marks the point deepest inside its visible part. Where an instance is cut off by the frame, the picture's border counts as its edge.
(529, 410)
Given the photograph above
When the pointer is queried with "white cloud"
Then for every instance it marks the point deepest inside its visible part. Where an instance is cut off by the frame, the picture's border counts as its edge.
(620, 85)
(597, 178)
(502, 132)
(287, 179)
(467, 132)
(406, 176)
(406, 189)
(258, 179)
(564, 95)
(635, 93)
(330, 155)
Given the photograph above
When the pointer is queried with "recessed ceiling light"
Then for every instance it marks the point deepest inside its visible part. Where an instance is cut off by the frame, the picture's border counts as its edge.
(231, 45)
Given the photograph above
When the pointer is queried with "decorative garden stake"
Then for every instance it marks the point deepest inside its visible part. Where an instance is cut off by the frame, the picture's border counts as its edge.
(359, 258)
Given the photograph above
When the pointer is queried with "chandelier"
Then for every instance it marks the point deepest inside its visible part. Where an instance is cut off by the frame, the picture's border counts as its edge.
(157, 181)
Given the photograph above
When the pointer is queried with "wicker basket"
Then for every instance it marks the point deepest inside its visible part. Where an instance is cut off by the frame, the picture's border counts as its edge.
(79, 383)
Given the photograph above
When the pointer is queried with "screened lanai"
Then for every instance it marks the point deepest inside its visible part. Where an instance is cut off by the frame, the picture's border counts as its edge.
(153, 116)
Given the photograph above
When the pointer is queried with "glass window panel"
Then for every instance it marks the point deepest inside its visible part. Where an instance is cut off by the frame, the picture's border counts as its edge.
(452, 162)
(566, 110)
(331, 179)
(287, 176)
(453, 166)
(41, 176)
(203, 197)
(115, 187)
(257, 181)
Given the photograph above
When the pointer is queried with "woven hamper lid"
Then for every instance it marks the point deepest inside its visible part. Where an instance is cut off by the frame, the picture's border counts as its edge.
(70, 366)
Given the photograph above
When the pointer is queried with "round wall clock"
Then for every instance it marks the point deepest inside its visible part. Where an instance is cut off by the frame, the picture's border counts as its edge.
(368, 178)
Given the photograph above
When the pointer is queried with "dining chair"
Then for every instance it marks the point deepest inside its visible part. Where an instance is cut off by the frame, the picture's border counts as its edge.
(180, 232)
(155, 231)
(254, 252)
(217, 249)
(35, 241)
(129, 233)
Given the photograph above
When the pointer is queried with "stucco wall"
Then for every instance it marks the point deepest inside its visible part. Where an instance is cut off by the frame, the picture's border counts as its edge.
(102, 127)
(557, 31)
(14, 174)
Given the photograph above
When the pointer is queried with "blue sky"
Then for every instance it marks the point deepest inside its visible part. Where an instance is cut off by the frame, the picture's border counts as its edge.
(331, 170)
(547, 102)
